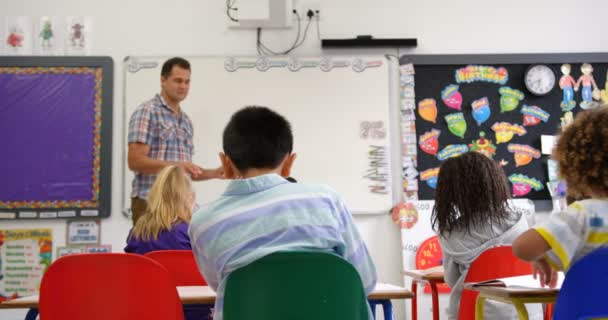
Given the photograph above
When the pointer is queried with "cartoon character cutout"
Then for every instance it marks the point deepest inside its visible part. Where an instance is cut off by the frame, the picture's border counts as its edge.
(77, 35)
(483, 145)
(604, 93)
(567, 84)
(590, 88)
(15, 37)
(46, 34)
(46, 252)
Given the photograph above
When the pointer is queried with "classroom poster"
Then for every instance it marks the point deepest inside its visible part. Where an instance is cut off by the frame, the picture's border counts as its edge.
(25, 254)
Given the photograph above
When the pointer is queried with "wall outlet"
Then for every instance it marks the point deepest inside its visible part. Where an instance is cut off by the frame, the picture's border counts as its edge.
(303, 6)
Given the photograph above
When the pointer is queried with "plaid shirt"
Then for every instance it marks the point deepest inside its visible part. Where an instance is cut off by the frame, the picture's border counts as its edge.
(169, 137)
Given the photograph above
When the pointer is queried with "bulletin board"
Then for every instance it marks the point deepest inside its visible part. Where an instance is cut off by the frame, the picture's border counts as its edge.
(55, 137)
(508, 120)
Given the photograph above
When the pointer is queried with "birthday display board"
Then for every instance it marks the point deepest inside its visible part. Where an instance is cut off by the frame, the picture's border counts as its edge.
(498, 105)
(56, 137)
(25, 254)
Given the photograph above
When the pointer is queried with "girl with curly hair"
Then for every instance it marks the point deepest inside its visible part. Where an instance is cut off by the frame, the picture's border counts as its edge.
(565, 237)
(471, 214)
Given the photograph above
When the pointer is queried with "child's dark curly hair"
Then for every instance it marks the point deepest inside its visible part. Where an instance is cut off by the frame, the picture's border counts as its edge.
(582, 154)
(472, 191)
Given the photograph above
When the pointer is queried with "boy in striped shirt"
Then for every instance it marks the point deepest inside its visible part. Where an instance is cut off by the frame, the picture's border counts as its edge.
(261, 212)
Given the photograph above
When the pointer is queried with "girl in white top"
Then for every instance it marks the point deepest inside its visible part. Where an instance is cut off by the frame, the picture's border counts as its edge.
(471, 214)
(565, 237)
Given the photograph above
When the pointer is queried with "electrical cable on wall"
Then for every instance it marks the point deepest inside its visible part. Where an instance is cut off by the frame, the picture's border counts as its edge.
(264, 50)
(230, 7)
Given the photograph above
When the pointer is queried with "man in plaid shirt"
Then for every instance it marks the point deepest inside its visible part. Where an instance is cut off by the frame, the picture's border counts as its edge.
(161, 134)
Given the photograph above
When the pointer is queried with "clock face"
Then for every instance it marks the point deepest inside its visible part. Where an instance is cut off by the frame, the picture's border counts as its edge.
(540, 79)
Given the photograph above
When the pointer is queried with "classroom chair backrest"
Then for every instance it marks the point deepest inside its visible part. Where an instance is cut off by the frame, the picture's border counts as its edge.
(582, 293)
(495, 262)
(296, 285)
(108, 286)
(181, 265)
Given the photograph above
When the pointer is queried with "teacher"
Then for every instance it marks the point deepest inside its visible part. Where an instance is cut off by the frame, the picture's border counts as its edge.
(161, 134)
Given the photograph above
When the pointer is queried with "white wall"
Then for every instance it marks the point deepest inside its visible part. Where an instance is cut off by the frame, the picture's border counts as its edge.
(198, 27)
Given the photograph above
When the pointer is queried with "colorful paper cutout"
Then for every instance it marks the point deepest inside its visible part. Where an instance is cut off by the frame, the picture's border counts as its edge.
(533, 115)
(452, 97)
(430, 176)
(405, 215)
(523, 153)
(483, 146)
(452, 150)
(427, 109)
(505, 131)
(522, 184)
(590, 89)
(481, 110)
(473, 73)
(456, 124)
(567, 84)
(509, 98)
(429, 141)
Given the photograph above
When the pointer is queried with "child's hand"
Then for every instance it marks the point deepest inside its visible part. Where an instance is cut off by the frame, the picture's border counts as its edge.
(547, 275)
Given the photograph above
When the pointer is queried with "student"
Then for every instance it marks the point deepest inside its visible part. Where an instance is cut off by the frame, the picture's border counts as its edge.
(566, 236)
(261, 212)
(471, 214)
(165, 224)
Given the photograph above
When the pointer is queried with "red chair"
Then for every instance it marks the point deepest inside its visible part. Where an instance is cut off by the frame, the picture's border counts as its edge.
(496, 262)
(181, 265)
(108, 286)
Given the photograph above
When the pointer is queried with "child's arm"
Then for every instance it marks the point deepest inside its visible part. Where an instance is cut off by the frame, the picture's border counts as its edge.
(530, 246)
(451, 270)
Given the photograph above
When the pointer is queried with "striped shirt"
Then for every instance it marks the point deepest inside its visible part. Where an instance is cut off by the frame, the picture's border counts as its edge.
(262, 215)
(575, 232)
(168, 135)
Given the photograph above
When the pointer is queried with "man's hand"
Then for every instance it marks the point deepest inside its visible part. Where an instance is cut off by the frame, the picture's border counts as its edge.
(206, 174)
(547, 275)
(193, 170)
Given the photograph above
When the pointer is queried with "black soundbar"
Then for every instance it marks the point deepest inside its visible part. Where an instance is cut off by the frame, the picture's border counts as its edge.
(368, 42)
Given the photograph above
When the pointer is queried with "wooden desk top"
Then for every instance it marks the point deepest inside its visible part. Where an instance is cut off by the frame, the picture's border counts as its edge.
(419, 275)
(515, 292)
(205, 295)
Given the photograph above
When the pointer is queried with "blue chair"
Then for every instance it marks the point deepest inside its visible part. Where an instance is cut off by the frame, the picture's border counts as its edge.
(581, 295)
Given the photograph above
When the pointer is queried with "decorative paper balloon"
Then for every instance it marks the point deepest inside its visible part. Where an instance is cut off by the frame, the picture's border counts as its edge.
(509, 98)
(405, 215)
(481, 110)
(533, 115)
(452, 150)
(452, 97)
(523, 153)
(430, 176)
(456, 124)
(428, 141)
(427, 109)
(522, 184)
(504, 131)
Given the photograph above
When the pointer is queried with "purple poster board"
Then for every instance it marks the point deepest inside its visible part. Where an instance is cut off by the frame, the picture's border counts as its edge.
(53, 124)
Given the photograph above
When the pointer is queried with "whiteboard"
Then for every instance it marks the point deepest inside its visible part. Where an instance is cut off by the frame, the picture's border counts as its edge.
(338, 108)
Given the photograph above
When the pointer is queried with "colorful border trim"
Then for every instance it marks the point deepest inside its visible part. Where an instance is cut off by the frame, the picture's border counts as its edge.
(94, 202)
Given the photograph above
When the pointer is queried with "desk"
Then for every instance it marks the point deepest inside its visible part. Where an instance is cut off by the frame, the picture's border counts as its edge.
(432, 279)
(382, 294)
(515, 296)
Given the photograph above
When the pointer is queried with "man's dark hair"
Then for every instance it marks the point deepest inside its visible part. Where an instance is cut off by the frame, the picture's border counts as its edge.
(257, 138)
(168, 66)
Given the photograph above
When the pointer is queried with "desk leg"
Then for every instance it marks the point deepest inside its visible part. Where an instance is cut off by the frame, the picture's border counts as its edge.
(435, 295)
(479, 304)
(387, 307)
(372, 305)
(31, 314)
(522, 312)
(414, 301)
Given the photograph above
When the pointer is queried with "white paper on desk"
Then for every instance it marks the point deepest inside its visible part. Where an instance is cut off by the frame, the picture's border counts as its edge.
(527, 282)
